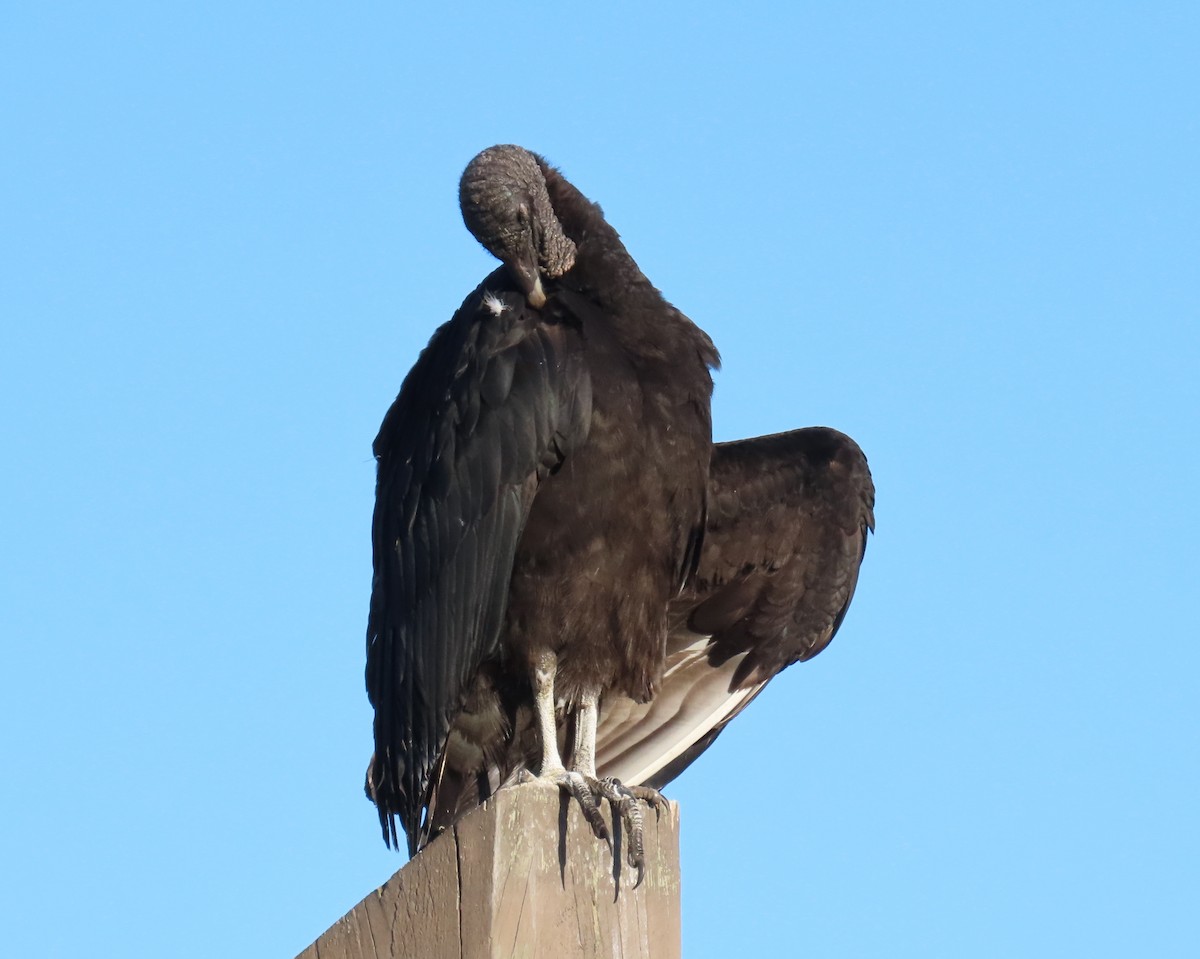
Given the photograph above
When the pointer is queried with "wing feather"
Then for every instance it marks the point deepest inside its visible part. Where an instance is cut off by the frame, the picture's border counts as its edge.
(493, 403)
(788, 521)
(788, 516)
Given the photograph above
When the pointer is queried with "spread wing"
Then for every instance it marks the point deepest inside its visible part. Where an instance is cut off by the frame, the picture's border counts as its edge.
(492, 406)
(787, 525)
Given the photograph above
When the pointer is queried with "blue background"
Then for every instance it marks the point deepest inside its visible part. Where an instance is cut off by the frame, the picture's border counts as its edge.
(964, 234)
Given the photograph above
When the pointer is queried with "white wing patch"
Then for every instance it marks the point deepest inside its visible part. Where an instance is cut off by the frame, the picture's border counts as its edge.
(635, 741)
(494, 303)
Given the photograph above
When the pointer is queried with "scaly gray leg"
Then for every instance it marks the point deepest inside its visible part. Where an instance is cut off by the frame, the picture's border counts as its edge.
(552, 770)
(626, 800)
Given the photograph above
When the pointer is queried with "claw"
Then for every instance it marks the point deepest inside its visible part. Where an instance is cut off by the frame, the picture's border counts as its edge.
(650, 796)
(584, 791)
(627, 801)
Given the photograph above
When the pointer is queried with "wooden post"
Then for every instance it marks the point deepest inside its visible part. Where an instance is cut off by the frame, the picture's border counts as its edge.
(522, 876)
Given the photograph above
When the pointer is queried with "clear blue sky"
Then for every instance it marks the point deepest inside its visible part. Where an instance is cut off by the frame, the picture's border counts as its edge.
(964, 234)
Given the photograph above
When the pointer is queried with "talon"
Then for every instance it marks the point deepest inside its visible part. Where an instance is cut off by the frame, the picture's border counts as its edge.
(627, 801)
(636, 853)
(578, 786)
(651, 797)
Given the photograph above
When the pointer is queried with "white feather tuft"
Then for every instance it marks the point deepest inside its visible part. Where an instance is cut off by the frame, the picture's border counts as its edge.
(494, 303)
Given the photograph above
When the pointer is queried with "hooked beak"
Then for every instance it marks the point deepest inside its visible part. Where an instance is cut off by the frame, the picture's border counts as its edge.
(528, 277)
(536, 296)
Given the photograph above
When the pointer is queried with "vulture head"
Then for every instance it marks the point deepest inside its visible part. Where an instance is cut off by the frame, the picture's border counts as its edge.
(507, 208)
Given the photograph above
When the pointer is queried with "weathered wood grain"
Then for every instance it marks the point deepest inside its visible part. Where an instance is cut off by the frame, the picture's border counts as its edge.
(522, 876)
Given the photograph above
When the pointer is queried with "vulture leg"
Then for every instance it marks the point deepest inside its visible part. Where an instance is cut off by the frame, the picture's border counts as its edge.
(586, 716)
(581, 781)
(552, 770)
(623, 798)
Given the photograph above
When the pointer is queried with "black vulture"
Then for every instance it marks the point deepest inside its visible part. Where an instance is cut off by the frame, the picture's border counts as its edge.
(540, 500)
(786, 531)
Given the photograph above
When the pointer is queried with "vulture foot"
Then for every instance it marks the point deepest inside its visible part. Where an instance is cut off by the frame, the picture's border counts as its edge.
(584, 789)
(627, 801)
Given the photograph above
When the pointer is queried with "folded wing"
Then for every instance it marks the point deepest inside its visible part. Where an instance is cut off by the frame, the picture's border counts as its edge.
(788, 517)
(493, 405)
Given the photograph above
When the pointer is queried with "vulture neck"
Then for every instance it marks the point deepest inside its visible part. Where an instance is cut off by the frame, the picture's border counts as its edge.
(603, 266)
(607, 274)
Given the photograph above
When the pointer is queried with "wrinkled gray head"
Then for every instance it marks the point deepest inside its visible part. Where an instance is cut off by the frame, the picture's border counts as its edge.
(505, 205)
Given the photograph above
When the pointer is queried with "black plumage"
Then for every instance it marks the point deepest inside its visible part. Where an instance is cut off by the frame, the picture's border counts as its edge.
(788, 518)
(540, 499)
